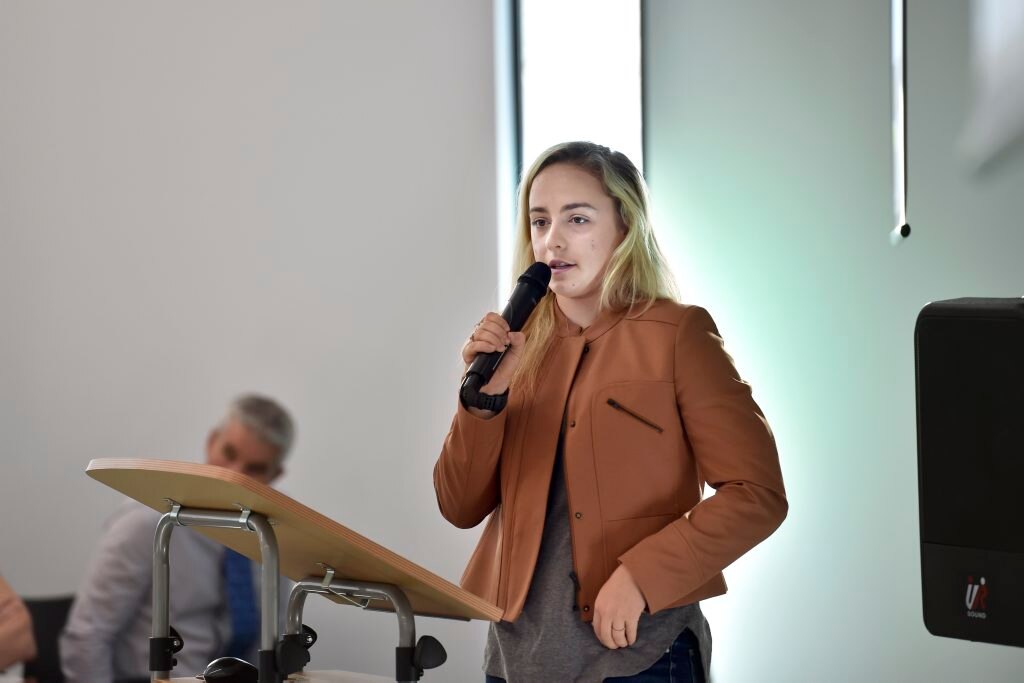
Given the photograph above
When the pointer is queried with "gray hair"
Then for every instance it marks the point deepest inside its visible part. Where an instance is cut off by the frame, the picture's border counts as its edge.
(267, 419)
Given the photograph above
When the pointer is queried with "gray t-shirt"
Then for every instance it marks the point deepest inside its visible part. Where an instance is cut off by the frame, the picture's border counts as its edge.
(549, 642)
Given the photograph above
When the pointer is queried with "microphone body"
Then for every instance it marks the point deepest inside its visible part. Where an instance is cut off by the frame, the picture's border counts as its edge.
(530, 289)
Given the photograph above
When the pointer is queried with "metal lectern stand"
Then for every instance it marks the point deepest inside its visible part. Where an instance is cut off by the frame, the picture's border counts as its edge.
(321, 555)
(163, 645)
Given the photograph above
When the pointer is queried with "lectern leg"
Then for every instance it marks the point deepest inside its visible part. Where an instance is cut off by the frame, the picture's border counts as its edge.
(360, 593)
(161, 659)
(268, 597)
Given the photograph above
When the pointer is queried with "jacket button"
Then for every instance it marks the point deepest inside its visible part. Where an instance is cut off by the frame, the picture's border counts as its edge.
(579, 515)
(572, 423)
(586, 608)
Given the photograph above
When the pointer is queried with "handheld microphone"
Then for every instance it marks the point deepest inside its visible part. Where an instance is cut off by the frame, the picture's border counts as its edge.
(531, 287)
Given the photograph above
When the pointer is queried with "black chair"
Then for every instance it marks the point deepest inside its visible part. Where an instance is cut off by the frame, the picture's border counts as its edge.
(48, 618)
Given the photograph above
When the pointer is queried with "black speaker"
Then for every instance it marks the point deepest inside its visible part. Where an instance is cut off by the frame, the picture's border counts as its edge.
(970, 467)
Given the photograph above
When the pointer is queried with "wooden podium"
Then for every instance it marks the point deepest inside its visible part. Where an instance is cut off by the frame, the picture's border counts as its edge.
(319, 554)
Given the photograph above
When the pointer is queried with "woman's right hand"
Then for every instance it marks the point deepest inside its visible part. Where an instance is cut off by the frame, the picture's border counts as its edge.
(493, 334)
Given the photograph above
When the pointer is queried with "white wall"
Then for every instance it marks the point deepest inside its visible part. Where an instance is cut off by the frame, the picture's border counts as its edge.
(200, 199)
(768, 132)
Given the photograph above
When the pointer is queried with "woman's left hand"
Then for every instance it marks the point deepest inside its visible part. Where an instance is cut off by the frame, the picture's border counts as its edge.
(617, 610)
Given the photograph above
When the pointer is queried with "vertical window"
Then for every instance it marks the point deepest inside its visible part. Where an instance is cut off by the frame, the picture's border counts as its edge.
(580, 75)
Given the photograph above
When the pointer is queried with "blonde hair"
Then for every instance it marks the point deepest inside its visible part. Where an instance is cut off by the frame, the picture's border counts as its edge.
(637, 273)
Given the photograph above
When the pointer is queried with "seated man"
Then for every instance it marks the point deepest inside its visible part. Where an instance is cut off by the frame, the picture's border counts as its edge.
(17, 644)
(214, 592)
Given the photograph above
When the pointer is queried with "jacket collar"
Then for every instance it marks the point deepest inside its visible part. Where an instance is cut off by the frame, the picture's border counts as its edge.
(606, 320)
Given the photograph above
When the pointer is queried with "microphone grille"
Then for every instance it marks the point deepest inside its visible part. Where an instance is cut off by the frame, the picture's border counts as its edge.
(540, 273)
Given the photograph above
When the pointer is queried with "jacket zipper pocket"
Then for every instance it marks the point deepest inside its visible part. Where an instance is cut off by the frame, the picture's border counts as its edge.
(618, 406)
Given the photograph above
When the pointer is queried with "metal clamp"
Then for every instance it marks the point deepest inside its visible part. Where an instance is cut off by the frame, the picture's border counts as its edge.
(328, 575)
(174, 511)
(351, 598)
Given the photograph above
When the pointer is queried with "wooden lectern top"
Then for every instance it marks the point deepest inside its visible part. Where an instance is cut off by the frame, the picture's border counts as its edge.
(305, 538)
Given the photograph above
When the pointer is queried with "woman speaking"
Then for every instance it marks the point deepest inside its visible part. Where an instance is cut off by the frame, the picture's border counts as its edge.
(590, 446)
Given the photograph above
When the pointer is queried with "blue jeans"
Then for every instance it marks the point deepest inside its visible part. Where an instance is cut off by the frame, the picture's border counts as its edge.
(681, 664)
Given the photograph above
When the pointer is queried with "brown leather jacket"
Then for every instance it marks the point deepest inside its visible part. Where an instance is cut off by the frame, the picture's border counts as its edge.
(653, 409)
